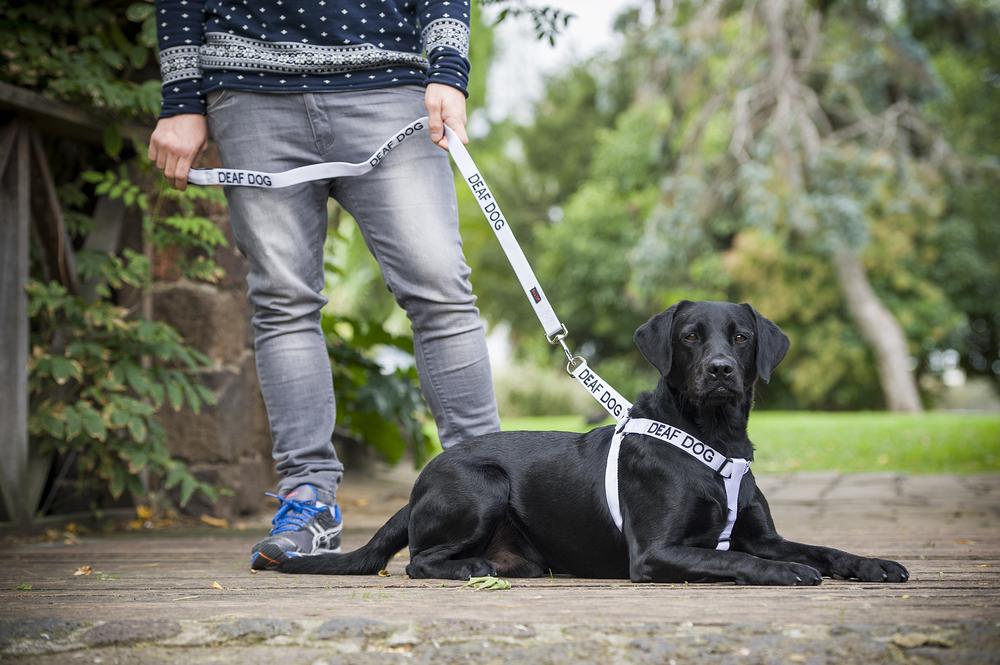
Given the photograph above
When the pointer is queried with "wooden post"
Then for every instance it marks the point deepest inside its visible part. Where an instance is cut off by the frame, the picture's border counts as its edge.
(15, 212)
(29, 204)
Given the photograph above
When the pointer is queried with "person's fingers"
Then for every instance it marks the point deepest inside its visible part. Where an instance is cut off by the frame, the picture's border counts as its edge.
(181, 172)
(170, 168)
(457, 125)
(434, 120)
(153, 149)
(162, 154)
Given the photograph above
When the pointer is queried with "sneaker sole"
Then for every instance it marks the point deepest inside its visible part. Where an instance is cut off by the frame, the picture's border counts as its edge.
(270, 556)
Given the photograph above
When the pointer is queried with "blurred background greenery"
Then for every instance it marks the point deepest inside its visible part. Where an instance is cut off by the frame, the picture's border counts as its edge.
(835, 163)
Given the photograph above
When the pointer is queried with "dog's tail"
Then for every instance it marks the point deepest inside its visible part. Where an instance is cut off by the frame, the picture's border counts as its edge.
(368, 560)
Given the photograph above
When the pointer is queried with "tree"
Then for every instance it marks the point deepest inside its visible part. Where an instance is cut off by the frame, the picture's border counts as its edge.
(772, 152)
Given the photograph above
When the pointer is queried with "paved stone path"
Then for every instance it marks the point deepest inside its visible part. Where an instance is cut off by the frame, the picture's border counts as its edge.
(151, 599)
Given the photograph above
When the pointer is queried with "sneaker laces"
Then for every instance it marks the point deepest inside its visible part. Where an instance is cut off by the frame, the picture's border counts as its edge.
(293, 515)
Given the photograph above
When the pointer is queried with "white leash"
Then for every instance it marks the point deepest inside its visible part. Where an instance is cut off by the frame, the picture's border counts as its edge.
(732, 470)
(555, 331)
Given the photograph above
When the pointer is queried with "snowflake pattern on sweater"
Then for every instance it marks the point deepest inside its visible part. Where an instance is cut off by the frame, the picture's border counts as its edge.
(307, 46)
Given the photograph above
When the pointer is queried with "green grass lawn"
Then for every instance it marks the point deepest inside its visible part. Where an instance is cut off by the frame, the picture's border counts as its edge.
(852, 442)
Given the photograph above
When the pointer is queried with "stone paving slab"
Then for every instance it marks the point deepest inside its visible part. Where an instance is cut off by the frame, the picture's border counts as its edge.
(151, 599)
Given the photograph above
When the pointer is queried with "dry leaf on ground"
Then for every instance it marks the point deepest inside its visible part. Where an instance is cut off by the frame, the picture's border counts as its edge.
(218, 522)
(83, 570)
(217, 586)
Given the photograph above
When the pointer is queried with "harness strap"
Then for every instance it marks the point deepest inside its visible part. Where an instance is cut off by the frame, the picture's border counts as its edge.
(730, 469)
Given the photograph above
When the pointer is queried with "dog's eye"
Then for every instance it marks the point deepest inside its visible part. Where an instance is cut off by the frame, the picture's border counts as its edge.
(740, 338)
(691, 337)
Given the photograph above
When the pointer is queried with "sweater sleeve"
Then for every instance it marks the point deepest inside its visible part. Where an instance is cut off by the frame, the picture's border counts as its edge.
(180, 29)
(445, 36)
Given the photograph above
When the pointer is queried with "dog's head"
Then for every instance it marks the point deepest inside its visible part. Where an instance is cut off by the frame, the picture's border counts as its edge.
(712, 351)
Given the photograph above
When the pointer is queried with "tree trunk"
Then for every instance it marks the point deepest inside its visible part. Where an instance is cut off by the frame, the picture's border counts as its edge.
(882, 332)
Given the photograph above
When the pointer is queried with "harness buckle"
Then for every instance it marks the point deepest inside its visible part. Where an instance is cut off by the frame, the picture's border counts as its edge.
(726, 470)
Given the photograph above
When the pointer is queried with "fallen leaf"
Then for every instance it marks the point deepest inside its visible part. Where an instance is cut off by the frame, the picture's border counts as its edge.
(144, 512)
(964, 541)
(218, 522)
(487, 583)
(383, 573)
(253, 571)
(83, 570)
(217, 586)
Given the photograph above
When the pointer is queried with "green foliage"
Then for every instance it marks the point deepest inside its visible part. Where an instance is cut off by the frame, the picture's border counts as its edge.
(98, 376)
(547, 21)
(99, 373)
(99, 54)
(190, 237)
(961, 38)
(668, 171)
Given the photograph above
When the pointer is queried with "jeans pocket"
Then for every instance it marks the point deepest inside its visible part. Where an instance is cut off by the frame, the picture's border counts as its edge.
(217, 99)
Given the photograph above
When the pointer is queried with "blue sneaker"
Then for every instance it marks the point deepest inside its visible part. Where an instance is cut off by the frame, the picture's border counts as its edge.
(302, 526)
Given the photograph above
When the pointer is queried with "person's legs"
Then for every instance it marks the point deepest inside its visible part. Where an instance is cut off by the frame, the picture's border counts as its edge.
(407, 211)
(281, 232)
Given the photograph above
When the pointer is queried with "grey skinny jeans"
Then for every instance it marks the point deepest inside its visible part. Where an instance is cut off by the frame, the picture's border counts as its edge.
(407, 212)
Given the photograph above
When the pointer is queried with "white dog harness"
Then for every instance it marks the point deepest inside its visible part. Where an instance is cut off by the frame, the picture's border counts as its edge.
(731, 469)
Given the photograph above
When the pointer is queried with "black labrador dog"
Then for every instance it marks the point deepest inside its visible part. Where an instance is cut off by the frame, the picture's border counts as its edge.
(525, 504)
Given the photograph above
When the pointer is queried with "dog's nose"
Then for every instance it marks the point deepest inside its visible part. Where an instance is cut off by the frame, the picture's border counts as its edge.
(720, 367)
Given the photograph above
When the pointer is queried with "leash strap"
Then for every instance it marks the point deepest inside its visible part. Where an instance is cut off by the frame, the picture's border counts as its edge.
(555, 332)
(323, 171)
(599, 389)
(491, 210)
(731, 470)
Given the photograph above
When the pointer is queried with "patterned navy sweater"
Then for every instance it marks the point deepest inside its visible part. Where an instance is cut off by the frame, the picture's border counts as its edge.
(307, 46)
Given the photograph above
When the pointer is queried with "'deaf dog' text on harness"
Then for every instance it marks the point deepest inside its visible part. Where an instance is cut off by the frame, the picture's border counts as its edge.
(730, 470)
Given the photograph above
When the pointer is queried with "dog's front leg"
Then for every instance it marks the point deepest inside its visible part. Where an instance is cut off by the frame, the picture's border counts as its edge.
(755, 534)
(681, 563)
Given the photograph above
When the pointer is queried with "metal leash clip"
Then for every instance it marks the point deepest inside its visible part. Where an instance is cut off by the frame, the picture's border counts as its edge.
(560, 339)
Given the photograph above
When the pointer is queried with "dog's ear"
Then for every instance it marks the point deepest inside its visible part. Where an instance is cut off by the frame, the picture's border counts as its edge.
(654, 339)
(772, 344)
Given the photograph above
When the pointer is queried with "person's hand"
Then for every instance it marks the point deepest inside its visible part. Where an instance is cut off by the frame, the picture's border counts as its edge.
(445, 106)
(176, 143)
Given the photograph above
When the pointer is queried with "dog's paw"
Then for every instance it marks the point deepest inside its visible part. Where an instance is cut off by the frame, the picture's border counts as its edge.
(781, 573)
(877, 570)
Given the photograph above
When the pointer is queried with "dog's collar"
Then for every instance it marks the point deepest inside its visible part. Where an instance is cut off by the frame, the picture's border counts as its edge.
(731, 470)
